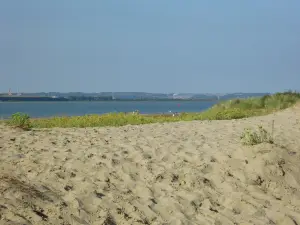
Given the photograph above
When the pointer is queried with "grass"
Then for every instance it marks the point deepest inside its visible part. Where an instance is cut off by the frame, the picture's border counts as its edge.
(268, 102)
(20, 120)
(232, 109)
(254, 137)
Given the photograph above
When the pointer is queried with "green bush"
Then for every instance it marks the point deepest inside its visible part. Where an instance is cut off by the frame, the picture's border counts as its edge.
(254, 137)
(20, 120)
(229, 114)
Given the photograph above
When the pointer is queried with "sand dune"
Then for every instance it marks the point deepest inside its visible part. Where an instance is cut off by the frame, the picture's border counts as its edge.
(177, 173)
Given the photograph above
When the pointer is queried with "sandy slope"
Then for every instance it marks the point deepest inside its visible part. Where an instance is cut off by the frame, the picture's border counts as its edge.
(177, 173)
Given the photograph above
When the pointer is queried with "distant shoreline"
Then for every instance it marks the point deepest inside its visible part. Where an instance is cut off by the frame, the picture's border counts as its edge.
(121, 97)
(117, 100)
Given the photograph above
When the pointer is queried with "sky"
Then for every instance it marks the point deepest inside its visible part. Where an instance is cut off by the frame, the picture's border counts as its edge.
(150, 46)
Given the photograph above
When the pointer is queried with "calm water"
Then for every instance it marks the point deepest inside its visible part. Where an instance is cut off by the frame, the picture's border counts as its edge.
(48, 109)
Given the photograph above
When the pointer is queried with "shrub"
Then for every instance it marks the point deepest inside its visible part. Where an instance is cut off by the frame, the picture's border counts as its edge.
(20, 120)
(228, 114)
(254, 137)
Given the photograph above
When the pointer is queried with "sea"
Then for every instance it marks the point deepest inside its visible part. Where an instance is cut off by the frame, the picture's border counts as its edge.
(51, 109)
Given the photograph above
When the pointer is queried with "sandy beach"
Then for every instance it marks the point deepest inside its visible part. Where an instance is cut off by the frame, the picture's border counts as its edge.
(175, 173)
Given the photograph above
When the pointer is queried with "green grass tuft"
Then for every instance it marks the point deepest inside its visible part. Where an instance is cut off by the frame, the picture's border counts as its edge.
(20, 120)
(254, 137)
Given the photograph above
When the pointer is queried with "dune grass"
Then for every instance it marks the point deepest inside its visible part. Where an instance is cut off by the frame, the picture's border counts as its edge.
(232, 109)
(258, 136)
(20, 120)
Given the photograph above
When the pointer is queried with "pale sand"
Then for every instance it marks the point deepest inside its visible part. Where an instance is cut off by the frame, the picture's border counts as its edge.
(175, 173)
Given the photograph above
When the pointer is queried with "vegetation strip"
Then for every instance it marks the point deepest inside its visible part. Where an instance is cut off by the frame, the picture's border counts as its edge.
(232, 109)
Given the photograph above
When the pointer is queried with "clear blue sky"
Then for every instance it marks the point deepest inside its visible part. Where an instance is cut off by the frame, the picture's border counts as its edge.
(153, 46)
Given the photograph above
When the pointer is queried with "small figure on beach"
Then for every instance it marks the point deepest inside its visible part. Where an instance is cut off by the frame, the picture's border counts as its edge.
(136, 112)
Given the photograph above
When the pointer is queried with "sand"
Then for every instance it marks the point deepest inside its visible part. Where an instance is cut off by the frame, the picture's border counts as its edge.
(175, 173)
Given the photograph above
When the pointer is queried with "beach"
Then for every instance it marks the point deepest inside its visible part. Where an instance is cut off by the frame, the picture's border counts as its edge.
(189, 173)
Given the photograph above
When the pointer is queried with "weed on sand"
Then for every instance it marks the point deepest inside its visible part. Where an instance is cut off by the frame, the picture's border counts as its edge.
(254, 137)
(20, 120)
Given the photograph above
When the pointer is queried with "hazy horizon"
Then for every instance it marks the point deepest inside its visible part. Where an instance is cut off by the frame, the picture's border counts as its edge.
(150, 46)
